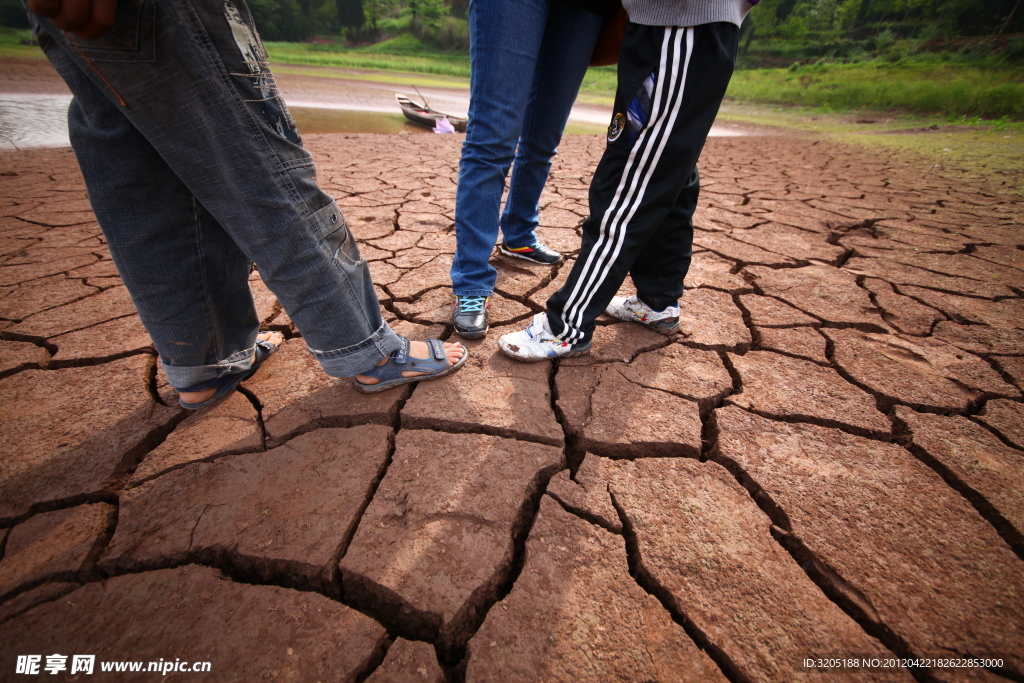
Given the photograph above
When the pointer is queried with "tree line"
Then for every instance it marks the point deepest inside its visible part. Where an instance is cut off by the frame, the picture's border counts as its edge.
(848, 28)
(442, 23)
(808, 19)
(787, 19)
(439, 23)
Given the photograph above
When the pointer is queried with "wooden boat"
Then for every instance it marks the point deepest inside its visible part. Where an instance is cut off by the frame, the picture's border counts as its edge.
(425, 116)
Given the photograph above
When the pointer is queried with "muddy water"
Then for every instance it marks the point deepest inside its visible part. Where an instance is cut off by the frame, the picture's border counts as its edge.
(28, 121)
(316, 120)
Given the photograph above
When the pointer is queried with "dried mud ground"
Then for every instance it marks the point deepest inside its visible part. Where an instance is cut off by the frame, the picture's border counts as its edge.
(827, 460)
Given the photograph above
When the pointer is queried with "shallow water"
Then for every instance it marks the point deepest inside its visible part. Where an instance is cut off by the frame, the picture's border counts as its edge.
(318, 120)
(28, 121)
(33, 121)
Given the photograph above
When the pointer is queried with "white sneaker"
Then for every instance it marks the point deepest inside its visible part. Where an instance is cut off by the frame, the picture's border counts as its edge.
(537, 343)
(635, 310)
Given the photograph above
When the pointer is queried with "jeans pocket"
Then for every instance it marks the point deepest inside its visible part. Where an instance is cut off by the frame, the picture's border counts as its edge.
(132, 39)
(333, 231)
(249, 66)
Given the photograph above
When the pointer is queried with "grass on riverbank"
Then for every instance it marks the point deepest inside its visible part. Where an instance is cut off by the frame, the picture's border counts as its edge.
(15, 42)
(406, 54)
(938, 88)
(436, 63)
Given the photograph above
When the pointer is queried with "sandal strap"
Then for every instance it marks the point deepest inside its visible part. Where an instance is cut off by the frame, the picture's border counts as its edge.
(401, 356)
(226, 383)
(266, 345)
(438, 348)
(389, 374)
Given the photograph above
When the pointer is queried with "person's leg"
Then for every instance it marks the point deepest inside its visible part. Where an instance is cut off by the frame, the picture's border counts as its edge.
(659, 269)
(171, 253)
(569, 39)
(505, 39)
(195, 85)
(653, 147)
(207, 393)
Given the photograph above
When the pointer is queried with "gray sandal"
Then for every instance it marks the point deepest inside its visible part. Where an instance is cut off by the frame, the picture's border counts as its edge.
(390, 374)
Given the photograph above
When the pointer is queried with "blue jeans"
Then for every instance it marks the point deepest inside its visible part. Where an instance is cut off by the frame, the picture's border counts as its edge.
(528, 59)
(195, 171)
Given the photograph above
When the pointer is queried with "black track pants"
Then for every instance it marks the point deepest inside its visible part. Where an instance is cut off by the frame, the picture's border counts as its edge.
(644, 192)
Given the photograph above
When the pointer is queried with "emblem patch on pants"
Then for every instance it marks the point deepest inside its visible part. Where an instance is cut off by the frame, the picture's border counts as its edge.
(616, 127)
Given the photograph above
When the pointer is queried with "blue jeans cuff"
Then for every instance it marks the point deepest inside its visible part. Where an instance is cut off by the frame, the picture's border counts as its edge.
(526, 240)
(472, 292)
(358, 358)
(181, 376)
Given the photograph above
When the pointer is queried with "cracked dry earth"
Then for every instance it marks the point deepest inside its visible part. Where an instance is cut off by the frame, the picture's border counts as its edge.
(827, 460)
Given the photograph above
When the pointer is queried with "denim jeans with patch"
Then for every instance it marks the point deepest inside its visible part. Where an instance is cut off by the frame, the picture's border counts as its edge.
(528, 59)
(195, 171)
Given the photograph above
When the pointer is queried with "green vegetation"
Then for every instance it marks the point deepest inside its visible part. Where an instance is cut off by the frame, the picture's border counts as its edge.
(408, 54)
(778, 32)
(945, 88)
(437, 24)
(962, 57)
(12, 14)
(599, 84)
(19, 44)
(380, 57)
(949, 57)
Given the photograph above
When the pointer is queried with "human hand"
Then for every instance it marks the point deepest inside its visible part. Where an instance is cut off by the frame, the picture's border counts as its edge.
(87, 19)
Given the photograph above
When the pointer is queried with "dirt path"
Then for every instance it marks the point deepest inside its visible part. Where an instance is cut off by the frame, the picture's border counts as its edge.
(825, 461)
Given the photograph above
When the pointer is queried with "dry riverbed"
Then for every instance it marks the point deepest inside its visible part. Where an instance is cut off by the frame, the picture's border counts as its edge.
(825, 460)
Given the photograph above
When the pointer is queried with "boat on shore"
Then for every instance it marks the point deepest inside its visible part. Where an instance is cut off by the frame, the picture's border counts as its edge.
(425, 116)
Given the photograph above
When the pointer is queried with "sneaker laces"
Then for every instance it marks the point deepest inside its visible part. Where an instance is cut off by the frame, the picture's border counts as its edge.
(472, 304)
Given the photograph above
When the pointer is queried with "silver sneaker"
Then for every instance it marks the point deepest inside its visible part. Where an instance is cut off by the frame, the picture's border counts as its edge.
(537, 343)
(636, 311)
